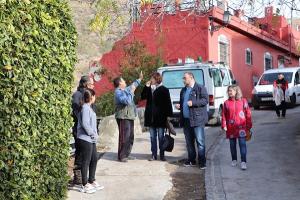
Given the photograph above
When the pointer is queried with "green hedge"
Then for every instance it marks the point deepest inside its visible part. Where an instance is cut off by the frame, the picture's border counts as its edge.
(105, 104)
(37, 57)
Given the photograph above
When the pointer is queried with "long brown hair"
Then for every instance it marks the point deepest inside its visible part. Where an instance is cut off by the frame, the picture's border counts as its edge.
(237, 89)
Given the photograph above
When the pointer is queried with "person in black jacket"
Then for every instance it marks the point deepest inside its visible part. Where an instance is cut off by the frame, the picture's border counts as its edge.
(194, 116)
(158, 108)
(77, 100)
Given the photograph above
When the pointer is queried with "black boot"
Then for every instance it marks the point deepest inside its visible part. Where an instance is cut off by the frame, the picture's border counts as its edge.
(77, 180)
(162, 156)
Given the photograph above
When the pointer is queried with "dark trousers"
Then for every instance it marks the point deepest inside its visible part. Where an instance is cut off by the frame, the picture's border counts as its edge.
(243, 148)
(154, 133)
(282, 107)
(77, 161)
(89, 160)
(193, 134)
(126, 137)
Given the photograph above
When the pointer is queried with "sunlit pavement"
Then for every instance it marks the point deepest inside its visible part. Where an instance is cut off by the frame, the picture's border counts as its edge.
(273, 162)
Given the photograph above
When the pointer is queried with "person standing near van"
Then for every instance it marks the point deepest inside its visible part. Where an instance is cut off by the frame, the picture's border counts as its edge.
(282, 84)
(125, 113)
(87, 138)
(193, 116)
(236, 122)
(158, 108)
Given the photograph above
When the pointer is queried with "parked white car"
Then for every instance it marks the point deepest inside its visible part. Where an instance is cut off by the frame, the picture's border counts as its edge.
(262, 94)
(215, 77)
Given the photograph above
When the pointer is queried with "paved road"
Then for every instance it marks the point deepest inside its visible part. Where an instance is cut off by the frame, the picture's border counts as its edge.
(273, 167)
(273, 162)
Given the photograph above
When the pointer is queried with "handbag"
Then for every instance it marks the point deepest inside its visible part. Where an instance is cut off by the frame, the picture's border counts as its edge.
(170, 127)
(168, 144)
(248, 135)
(249, 132)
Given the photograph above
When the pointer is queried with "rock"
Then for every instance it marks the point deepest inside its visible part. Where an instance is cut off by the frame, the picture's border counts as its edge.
(141, 115)
(109, 133)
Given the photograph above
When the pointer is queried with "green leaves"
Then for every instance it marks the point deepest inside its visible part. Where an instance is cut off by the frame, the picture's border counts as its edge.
(104, 104)
(137, 59)
(111, 19)
(37, 57)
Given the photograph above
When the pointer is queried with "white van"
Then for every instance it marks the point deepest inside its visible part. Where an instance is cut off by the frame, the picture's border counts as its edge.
(262, 94)
(215, 77)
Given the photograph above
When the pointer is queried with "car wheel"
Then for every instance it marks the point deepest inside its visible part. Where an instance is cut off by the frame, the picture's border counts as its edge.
(293, 100)
(256, 107)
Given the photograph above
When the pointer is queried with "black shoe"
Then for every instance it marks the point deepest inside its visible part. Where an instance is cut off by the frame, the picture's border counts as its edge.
(131, 158)
(162, 158)
(124, 160)
(202, 167)
(153, 158)
(278, 115)
(189, 164)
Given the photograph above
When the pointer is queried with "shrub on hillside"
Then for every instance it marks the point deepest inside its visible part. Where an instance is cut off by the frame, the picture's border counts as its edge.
(136, 59)
(105, 104)
(37, 57)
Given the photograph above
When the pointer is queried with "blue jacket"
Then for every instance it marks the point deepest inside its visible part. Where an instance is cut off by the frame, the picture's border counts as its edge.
(198, 111)
(124, 102)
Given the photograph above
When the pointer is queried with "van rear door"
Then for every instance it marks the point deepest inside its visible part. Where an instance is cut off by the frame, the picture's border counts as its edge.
(218, 90)
(172, 79)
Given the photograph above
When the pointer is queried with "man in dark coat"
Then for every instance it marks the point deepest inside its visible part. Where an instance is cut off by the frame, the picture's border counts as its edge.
(193, 116)
(158, 108)
(77, 100)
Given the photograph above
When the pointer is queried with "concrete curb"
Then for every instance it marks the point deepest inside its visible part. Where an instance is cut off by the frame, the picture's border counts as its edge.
(213, 175)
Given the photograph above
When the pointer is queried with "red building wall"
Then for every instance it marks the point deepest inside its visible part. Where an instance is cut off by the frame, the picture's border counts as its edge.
(176, 36)
(181, 36)
(240, 40)
(243, 72)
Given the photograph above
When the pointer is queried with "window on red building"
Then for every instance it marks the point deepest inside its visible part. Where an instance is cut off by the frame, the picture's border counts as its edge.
(280, 61)
(268, 61)
(248, 57)
(223, 49)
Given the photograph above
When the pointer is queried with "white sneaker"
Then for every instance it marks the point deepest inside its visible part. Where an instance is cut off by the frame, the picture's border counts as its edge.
(243, 166)
(234, 163)
(97, 186)
(88, 188)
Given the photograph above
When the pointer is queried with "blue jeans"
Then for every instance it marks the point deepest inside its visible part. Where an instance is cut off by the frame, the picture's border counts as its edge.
(154, 132)
(243, 148)
(193, 134)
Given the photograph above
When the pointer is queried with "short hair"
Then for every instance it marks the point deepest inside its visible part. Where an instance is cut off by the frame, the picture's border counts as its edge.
(237, 89)
(157, 77)
(87, 95)
(117, 81)
(191, 74)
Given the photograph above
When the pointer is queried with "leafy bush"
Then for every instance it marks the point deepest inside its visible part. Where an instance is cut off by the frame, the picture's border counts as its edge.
(136, 59)
(37, 57)
(105, 104)
(112, 19)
